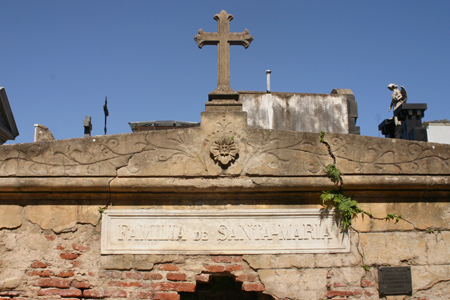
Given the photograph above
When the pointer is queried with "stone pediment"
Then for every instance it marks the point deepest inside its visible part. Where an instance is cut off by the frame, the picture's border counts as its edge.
(223, 154)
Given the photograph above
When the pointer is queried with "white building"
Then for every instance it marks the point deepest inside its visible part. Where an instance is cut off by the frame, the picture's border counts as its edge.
(438, 131)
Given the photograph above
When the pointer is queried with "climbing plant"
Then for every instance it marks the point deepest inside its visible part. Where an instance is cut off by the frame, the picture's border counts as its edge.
(347, 207)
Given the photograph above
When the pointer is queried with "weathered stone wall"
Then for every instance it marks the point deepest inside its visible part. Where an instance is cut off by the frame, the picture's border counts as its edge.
(296, 112)
(53, 251)
(50, 194)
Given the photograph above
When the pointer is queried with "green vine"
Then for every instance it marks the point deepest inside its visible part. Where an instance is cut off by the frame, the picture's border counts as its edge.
(347, 207)
(334, 174)
(101, 210)
(366, 267)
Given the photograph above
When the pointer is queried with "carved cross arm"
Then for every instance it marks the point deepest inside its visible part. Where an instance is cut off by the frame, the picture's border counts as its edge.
(206, 38)
(240, 38)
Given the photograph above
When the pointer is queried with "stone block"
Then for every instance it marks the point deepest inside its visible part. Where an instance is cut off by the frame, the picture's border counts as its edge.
(438, 245)
(294, 283)
(10, 283)
(394, 248)
(56, 217)
(261, 261)
(88, 214)
(347, 277)
(362, 223)
(10, 216)
(425, 277)
(298, 261)
(139, 262)
(117, 262)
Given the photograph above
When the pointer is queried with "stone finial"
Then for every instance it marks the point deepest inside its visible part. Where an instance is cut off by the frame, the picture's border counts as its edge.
(223, 38)
(42, 133)
(87, 126)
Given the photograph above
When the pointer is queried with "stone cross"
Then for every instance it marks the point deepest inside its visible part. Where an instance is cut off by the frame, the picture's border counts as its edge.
(223, 38)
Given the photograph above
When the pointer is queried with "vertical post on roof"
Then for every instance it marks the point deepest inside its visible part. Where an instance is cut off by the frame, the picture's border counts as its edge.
(268, 80)
(105, 110)
(87, 126)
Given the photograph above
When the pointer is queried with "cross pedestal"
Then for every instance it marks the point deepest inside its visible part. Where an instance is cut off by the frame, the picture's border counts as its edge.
(223, 38)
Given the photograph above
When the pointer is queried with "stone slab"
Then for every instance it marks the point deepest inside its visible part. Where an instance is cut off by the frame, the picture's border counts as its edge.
(213, 231)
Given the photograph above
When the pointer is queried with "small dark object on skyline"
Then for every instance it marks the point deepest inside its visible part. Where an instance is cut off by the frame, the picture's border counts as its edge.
(87, 126)
(105, 109)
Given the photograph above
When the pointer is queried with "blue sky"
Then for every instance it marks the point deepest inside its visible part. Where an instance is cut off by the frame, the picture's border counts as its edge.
(59, 59)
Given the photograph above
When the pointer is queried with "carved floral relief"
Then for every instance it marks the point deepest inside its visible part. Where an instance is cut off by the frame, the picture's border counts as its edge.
(224, 151)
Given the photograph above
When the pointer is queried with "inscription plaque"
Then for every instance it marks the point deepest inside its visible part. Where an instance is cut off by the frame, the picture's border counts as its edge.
(223, 231)
(395, 281)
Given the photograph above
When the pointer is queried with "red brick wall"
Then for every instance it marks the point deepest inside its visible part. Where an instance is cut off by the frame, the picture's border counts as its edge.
(72, 269)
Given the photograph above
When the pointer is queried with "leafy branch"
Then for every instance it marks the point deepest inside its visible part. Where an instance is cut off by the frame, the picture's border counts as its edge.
(347, 207)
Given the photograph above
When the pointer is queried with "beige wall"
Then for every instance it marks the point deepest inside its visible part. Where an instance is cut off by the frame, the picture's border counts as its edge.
(55, 250)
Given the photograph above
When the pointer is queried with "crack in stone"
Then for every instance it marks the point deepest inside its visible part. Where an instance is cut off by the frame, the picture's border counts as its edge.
(431, 286)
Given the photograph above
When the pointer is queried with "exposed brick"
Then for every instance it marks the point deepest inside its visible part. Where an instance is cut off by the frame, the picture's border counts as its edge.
(159, 296)
(153, 276)
(60, 292)
(69, 256)
(174, 286)
(125, 284)
(117, 274)
(134, 275)
(5, 298)
(368, 294)
(117, 294)
(330, 274)
(12, 293)
(233, 268)
(104, 274)
(221, 259)
(215, 269)
(50, 237)
(202, 277)
(166, 296)
(245, 277)
(68, 273)
(39, 264)
(168, 267)
(76, 264)
(104, 293)
(334, 293)
(91, 274)
(237, 259)
(81, 284)
(339, 284)
(93, 294)
(44, 273)
(367, 283)
(52, 282)
(176, 276)
(253, 287)
(80, 248)
(59, 247)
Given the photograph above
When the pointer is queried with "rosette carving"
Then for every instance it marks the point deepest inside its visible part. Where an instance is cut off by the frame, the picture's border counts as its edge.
(224, 151)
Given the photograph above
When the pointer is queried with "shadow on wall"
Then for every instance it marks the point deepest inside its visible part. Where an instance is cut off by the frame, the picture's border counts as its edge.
(222, 288)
